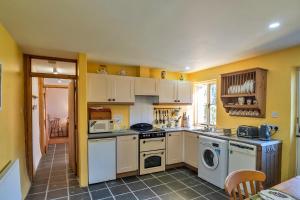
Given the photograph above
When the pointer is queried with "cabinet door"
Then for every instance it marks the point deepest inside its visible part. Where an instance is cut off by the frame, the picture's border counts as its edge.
(122, 89)
(174, 148)
(167, 91)
(191, 149)
(98, 88)
(145, 86)
(127, 153)
(184, 92)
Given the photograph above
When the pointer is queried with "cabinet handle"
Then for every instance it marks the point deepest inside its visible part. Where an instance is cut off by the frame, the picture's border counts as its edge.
(134, 138)
(114, 99)
(178, 100)
(170, 135)
(109, 99)
(175, 100)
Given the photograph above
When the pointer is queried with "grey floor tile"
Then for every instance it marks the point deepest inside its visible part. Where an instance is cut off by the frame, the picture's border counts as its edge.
(188, 193)
(166, 178)
(161, 189)
(216, 196)
(57, 194)
(191, 182)
(97, 186)
(144, 194)
(176, 185)
(137, 186)
(82, 196)
(77, 190)
(171, 196)
(203, 189)
(36, 196)
(38, 189)
(121, 189)
(147, 176)
(130, 179)
(180, 175)
(115, 183)
(128, 196)
(100, 194)
(152, 182)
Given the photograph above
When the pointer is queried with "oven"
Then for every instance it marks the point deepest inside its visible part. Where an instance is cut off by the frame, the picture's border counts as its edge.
(152, 161)
(152, 153)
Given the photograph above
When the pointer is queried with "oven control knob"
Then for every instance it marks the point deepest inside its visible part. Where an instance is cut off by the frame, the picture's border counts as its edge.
(144, 155)
(162, 153)
(144, 143)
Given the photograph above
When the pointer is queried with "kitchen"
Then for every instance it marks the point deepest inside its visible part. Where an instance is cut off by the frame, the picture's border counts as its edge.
(172, 99)
(161, 138)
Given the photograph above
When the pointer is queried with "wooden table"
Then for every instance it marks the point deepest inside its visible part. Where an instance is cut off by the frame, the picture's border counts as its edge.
(291, 187)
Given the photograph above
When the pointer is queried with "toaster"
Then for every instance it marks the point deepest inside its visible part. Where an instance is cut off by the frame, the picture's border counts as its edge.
(248, 131)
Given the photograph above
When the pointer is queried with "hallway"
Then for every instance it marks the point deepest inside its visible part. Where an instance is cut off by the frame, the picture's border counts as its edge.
(54, 179)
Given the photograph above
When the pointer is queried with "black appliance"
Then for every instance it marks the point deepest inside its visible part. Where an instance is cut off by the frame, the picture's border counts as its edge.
(147, 131)
(248, 131)
(265, 132)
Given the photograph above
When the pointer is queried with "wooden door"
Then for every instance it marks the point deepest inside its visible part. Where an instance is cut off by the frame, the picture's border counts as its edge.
(127, 153)
(71, 127)
(99, 89)
(167, 91)
(184, 92)
(145, 86)
(122, 89)
(174, 148)
(191, 149)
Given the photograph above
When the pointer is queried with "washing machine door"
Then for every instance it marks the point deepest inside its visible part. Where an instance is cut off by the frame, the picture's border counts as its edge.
(210, 158)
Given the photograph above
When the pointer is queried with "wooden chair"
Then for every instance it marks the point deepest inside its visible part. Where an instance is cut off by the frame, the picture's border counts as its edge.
(236, 183)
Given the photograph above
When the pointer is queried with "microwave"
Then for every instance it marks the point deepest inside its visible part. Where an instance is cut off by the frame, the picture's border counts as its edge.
(99, 126)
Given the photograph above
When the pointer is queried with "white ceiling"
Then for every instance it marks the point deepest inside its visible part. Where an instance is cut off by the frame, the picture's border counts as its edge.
(162, 33)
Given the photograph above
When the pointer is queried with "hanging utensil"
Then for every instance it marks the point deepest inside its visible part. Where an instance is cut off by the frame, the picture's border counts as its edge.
(159, 115)
(156, 119)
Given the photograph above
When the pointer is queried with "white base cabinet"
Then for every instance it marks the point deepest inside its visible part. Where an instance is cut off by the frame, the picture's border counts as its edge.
(174, 148)
(127, 153)
(191, 149)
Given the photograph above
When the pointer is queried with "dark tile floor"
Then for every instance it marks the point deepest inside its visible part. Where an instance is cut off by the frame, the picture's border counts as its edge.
(55, 181)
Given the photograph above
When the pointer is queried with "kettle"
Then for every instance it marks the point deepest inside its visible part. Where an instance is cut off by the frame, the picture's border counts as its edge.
(265, 132)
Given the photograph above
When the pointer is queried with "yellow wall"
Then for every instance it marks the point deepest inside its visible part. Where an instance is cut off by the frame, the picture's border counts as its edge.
(82, 120)
(12, 145)
(281, 84)
(113, 69)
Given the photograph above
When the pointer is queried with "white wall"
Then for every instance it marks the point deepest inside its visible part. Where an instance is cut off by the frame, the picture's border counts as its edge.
(35, 126)
(57, 102)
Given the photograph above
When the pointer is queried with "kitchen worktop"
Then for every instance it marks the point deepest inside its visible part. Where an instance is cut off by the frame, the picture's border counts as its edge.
(112, 134)
(194, 130)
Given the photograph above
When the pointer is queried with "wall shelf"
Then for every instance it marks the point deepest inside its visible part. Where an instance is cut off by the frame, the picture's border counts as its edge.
(249, 85)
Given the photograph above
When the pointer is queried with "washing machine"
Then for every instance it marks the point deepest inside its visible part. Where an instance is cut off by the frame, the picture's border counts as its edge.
(213, 160)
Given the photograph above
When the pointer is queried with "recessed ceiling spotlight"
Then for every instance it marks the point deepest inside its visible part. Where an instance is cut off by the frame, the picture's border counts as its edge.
(274, 25)
(187, 68)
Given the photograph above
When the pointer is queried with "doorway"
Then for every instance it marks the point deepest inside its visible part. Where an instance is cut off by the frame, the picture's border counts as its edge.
(51, 108)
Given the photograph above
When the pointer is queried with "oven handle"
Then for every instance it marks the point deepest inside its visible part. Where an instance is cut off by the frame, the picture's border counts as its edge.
(144, 142)
(148, 154)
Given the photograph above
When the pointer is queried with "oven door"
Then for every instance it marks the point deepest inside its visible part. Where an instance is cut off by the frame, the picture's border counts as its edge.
(151, 144)
(152, 161)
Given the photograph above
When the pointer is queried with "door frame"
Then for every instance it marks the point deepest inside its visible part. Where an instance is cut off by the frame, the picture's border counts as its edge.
(28, 74)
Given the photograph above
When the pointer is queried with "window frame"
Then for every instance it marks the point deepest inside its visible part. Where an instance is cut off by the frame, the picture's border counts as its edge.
(208, 105)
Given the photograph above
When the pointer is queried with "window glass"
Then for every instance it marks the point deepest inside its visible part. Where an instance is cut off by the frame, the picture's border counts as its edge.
(53, 67)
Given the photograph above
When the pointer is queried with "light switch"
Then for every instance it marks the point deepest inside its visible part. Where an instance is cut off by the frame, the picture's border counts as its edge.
(275, 114)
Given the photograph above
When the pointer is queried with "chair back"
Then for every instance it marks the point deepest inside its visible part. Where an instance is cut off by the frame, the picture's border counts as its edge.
(237, 183)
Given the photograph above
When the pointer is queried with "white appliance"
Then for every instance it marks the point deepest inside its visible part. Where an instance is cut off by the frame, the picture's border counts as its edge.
(213, 164)
(99, 126)
(241, 156)
(298, 154)
(102, 160)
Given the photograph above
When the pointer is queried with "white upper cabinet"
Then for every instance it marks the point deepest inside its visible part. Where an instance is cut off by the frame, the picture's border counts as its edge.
(171, 91)
(184, 92)
(98, 88)
(110, 88)
(167, 91)
(146, 86)
(123, 89)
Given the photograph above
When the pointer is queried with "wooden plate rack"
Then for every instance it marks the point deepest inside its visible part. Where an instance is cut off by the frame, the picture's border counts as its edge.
(236, 86)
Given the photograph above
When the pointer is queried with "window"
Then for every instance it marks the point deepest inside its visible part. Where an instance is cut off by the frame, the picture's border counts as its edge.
(205, 107)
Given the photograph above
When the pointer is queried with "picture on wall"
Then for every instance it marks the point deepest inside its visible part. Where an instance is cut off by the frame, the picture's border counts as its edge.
(0, 87)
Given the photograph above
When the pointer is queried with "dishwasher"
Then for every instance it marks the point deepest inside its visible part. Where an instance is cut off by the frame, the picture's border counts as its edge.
(241, 156)
(102, 160)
